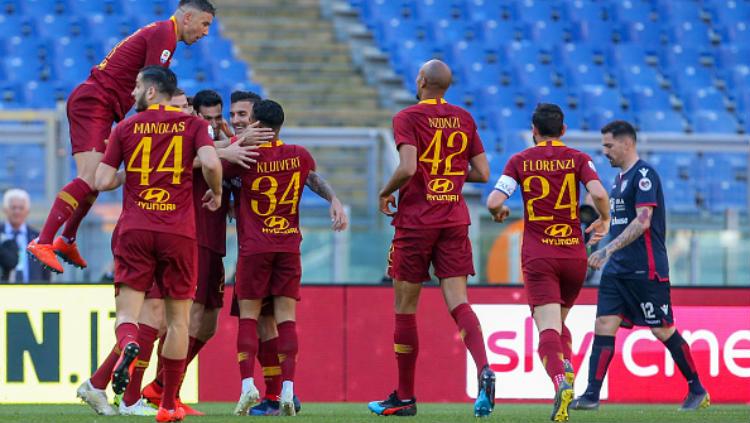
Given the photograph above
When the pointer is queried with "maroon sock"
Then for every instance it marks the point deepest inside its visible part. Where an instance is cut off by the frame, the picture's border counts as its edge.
(567, 343)
(173, 371)
(550, 351)
(288, 348)
(471, 333)
(71, 226)
(126, 333)
(194, 347)
(103, 374)
(146, 338)
(406, 345)
(67, 201)
(268, 356)
(247, 346)
(160, 364)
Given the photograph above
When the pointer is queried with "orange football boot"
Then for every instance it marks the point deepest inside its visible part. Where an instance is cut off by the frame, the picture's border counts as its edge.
(164, 415)
(69, 253)
(189, 411)
(152, 392)
(44, 254)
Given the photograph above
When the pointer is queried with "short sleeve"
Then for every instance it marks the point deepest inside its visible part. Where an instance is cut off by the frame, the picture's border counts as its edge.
(202, 133)
(159, 50)
(511, 170)
(311, 165)
(475, 147)
(403, 131)
(586, 169)
(113, 153)
(647, 184)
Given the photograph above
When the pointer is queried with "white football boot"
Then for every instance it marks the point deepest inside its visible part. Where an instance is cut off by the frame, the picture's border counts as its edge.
(286, 399)
(95, 398)
(139, 408)
(249, 398)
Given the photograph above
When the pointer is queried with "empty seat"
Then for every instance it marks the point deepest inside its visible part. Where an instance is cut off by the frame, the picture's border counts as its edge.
(661, 121)
(713, 121)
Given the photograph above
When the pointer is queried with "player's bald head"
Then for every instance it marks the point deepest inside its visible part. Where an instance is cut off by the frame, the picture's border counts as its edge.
(436, 75)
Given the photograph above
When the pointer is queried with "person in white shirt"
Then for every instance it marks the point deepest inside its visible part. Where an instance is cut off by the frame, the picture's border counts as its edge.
(15, 265)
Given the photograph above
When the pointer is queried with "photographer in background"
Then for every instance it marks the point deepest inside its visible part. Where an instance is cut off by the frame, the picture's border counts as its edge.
(15, 265)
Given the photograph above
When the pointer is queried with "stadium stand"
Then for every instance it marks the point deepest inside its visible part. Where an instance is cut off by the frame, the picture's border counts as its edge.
(668, 68)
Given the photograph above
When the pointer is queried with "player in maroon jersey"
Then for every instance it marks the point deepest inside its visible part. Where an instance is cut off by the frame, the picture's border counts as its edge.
(439, 150)
(93, 106)
(156, 230)
(269, 250)
(553, 255)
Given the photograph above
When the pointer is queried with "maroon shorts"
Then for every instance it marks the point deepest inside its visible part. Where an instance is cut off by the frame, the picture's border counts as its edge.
(550, 280)
(261, 275)
(154, 293)
(210, 291)
(144, 258)
(90, 118)
(412, 251)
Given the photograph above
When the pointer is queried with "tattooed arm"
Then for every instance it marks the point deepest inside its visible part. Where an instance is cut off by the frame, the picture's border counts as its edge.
(321, 187)
(632, 232)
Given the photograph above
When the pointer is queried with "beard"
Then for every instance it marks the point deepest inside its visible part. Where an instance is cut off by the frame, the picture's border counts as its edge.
(141, 104)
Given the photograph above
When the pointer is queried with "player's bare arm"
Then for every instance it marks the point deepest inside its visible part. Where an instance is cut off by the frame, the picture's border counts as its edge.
(106, 178)
(406, 168)
(211, 166)
(324, 190)
(479, 169)
(236, 153)
(496, 206)
(633, 231)
(600, 227)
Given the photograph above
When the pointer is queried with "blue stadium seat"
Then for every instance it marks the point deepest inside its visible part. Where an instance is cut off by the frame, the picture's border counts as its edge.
(729, 12)
(693, 77)
(11, 96)
(543, 31)
(96, 7)
(639, 76)
(661, 121)
(588, 10)
(231, 70)
(644, 33)
(678, 56)
(493, 31)
(56, 7)
(634, 10)
(704, 98)
(586, 76)
(733, 55)
(648, 98)
(111, 29)
(438, 10)
(534, 75)
(715, 121)
(18, 25)
(512, 119)
(534, 11)
(739, 77)
(486, 10)
(689, 33)
(45, 94)
(52, 26)
(450, 32)
(574, 54)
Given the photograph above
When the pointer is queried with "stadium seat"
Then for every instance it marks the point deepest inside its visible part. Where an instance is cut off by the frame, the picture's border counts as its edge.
(56, 7)
(661, 121)
(634, 10)
(588, 10)
(648, 98)
(713, 121)
(487, 10)
(96, 7)
(440, 10)
(704, 98)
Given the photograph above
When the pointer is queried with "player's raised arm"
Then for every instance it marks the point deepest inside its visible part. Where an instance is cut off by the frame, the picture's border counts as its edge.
(407, 167)
(600, 227)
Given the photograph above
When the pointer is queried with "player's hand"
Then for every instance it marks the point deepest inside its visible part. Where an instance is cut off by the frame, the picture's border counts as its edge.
(242, 155)
(386, 203)
(338, 215)
(224, 129)
(598, 258)
(501, 215)
(212, 200)
(254, 135)
(598, 230)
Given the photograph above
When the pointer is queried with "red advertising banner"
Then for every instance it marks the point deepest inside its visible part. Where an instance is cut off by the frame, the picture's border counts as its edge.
(346, 352)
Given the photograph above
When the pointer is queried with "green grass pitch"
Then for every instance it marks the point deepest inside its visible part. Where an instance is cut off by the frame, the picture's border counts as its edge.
(432, 413)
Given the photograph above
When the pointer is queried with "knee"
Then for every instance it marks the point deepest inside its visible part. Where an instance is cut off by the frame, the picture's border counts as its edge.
(606, 325)
(406, 304)
(663, 333)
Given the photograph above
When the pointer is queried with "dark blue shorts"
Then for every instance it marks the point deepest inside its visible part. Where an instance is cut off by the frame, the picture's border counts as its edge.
(640, 302)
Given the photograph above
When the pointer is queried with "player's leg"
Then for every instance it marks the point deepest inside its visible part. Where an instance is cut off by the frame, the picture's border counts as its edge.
(655, 297)
(150, 320)
(268, 357)
(566, 338)
(572, 276)
(174, 354)
(610, 310)
(90, 121)
(128, 304)
(153, 317)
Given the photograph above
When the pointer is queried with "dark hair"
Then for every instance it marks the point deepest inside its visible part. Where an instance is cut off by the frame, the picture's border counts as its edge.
(163, 79)
(202, 5)
(269, 113)
(619, 128)
(206, 98)
(249, 96)
(178, 91)
(548, 119)
(190, 100)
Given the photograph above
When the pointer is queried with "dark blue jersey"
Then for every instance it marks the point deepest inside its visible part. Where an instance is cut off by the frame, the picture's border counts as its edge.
(646, 257)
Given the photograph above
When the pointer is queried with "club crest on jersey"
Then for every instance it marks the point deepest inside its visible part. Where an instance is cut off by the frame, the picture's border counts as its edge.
(165, 56)
(591, 165)
(644, 184)
(622, 187)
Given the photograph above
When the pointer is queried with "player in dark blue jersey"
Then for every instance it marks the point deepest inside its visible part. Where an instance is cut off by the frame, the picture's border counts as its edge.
(634, 287)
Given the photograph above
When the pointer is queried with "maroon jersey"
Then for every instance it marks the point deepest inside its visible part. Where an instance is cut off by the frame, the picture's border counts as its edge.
(549, 175)
(154, 44)
(211, 226)
(268, 206)
(446, 139)
(158, 147)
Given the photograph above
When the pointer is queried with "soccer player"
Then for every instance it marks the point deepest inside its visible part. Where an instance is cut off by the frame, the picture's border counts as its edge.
(439, 149)
(211, 237)
(156, 230)
(553, 255)
(104, 98)
(180, 100)
(269, 251)
(634, 287)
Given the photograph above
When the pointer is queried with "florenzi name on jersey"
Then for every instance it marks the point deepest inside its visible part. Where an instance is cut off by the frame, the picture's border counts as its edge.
(279, 165)
(548, 165)
(158, 127)
(444, 122)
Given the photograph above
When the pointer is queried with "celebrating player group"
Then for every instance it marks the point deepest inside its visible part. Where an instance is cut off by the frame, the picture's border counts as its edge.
(185, 171)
